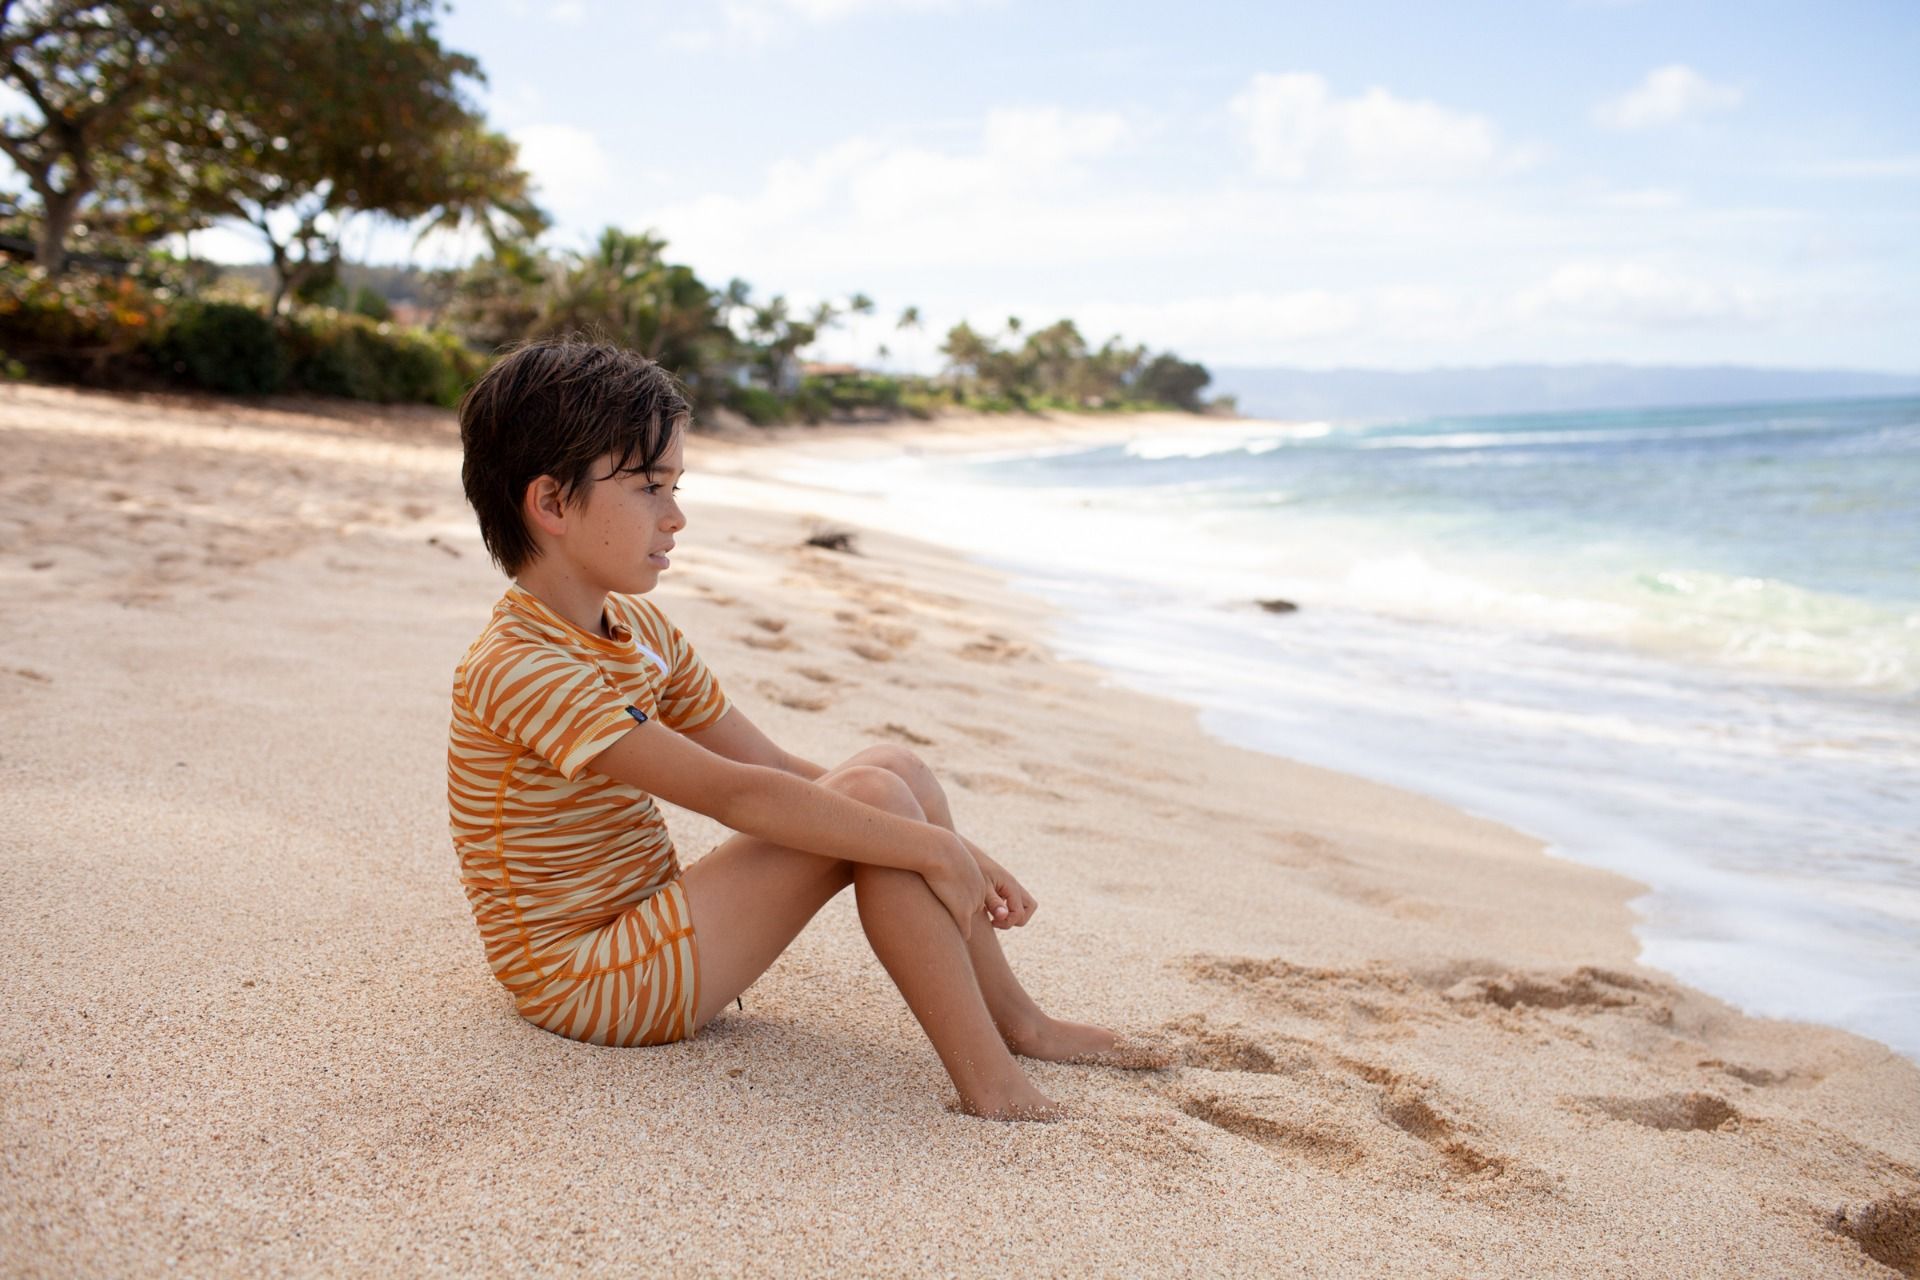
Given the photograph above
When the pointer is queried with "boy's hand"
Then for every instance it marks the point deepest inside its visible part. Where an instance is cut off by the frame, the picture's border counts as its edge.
(964, 890)
(1019, 903)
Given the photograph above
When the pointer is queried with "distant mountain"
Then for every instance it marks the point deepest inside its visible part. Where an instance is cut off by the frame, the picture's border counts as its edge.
(1533, 388)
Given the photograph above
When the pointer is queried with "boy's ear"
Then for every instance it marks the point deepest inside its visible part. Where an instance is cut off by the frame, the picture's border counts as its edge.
(543, 506)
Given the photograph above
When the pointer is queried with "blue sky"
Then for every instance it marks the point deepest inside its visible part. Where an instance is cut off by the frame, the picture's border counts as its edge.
(1384, 184)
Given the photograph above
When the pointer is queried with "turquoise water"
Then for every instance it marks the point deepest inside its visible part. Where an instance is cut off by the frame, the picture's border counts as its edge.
(1683, 644)
(1780, 537)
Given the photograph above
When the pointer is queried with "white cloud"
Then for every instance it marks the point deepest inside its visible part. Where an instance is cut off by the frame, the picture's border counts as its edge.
(1636, 295)
(569, 167)
(867, 202)
(1667, 95)
(1300, 131)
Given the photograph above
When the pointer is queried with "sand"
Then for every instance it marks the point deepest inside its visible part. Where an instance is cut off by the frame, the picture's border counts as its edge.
(248, 1027)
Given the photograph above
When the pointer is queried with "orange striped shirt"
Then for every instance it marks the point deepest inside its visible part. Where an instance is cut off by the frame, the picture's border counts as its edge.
(572, 876)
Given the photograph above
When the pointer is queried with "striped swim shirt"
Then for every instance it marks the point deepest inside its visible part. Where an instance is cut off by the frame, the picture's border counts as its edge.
(571, 875)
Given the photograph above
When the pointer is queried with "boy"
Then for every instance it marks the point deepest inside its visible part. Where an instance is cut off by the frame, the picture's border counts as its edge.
(580, 702)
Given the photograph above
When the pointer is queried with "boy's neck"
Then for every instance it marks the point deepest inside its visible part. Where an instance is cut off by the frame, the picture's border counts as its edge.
(580, 604)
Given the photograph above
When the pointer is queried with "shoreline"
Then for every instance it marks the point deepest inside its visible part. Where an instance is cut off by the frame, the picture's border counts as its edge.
(1390, 1010)
(1700, 919)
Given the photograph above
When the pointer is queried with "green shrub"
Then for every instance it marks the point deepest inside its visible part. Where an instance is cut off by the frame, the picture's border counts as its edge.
(224, 347)
(78, 324)
(757, 405)
(358, 358)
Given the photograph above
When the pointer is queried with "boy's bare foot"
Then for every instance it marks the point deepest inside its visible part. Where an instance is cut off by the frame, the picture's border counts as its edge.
(1079, 1042)
(1026, 1104)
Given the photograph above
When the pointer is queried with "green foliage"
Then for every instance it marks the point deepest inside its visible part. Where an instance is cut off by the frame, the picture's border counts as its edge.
(80, 70)
(1171, 380)
(336, 353)
(875, 395)
(757, 405)
(1054, 369)
(225, 347)
(75, 325)
(303, 113)
(625, 291)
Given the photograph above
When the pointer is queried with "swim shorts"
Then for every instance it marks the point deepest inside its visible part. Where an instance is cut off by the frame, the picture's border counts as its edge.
(632, 981)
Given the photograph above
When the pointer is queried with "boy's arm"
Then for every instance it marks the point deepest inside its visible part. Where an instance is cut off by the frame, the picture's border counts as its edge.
(740, 739)
(778, 806)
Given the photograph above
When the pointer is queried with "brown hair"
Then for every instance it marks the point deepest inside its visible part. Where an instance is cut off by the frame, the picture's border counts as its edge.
(553, 407)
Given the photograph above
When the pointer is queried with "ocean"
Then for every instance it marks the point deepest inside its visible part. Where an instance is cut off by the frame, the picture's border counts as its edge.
(1682, 644)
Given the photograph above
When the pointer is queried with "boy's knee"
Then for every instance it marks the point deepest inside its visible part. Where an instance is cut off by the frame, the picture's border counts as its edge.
(896, 760)
(880, 787)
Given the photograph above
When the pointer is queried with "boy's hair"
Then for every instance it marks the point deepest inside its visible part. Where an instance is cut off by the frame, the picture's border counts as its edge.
(553, 408)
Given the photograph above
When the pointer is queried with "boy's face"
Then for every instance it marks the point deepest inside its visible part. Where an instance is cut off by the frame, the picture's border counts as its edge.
(620, 529)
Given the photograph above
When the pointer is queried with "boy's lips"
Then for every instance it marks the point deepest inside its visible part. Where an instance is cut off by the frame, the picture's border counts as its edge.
(660, 557)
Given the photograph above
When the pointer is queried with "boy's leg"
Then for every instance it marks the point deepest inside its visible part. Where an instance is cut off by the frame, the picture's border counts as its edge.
(750, 898)
(1026, 1028)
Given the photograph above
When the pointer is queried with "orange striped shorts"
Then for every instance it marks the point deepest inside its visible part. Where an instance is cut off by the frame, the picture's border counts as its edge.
(633, 981)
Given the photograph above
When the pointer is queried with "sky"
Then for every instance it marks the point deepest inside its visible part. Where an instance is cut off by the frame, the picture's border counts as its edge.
(1391, 185)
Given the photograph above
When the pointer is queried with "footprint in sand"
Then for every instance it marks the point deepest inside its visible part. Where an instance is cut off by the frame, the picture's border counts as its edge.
(979, 732)
(871, 652)
(1303, 849)
(1586, 989)
(1286, 1134)
(796, 701)
(1000, 785)
(1122, 768)
(1762, 1077)
(1412, 1115)
(1382, 1002)
(1333, 1108)
(1372, 1001)
(775, 625)
(1886, 1230)
(1694, 1112)
(904, 734)
(816, 675)
(773, 643)
(1066, 775)
(993, 648)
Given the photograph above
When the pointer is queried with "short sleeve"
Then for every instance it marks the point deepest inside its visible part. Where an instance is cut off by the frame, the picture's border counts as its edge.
(690, 696)
(549, 701)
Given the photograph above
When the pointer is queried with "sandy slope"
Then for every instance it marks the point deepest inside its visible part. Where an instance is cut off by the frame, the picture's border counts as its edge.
(247, 1025)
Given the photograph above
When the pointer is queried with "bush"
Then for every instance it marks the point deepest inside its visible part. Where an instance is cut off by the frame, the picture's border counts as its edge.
(757, 405)
(78, 324)
(339, 354)
(224, 347)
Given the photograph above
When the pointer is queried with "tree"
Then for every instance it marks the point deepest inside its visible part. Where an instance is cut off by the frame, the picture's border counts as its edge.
(1055, 355)
(625, 289)
(313, 111)
(485, 188)
(86, 69)
(966, 351)
(1174, 381)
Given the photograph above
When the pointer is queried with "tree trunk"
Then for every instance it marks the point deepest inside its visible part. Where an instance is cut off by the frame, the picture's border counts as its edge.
(51, 251)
